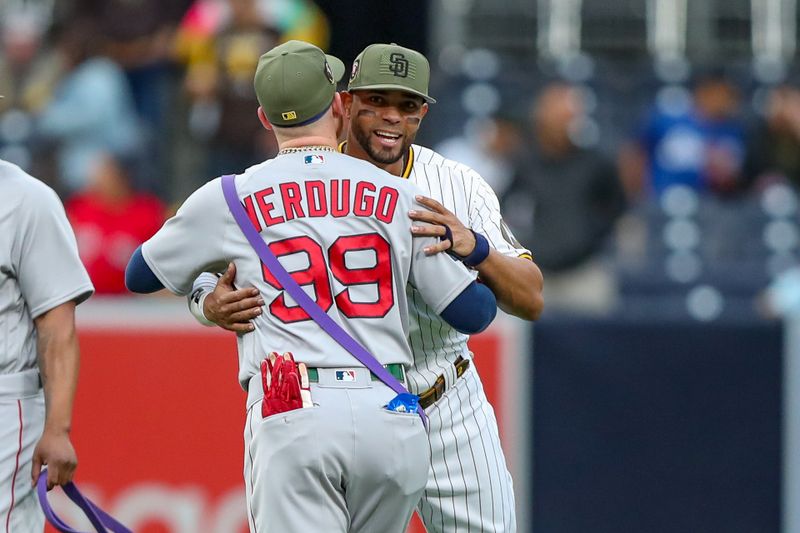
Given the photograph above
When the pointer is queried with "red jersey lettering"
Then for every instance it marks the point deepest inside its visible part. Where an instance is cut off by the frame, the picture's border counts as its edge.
(364, 203)
(387, 202)
(316, 198)
(266, 207)
(251, 212)
(340, 198)
(292, 200)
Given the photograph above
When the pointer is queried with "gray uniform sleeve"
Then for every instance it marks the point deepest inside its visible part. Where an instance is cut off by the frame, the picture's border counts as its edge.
(438, 278)
(192, 241)
(49, 270)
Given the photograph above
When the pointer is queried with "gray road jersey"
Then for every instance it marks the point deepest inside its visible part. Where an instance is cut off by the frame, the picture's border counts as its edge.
(467, 195)
(340, 226)
(39, 264)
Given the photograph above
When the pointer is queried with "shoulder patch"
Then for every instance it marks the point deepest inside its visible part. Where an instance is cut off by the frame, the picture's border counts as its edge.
(508, 235)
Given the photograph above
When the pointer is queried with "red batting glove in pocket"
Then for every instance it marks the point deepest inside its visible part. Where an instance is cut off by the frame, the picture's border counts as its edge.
(281, 383)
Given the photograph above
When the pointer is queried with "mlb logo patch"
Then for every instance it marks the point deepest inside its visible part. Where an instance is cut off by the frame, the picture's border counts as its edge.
(314, 159)
(345, 375)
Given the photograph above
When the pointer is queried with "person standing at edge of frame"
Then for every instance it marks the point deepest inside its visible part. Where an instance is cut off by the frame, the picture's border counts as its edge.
(41, 281)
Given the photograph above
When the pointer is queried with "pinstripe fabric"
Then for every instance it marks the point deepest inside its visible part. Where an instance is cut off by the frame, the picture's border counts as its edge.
(469, 488)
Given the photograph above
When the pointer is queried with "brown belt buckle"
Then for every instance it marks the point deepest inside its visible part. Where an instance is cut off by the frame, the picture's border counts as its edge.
(461, 365)
(432, 395)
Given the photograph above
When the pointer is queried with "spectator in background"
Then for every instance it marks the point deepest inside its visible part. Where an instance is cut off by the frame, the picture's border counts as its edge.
(491, 146)
(300, 20)
(29, 72)
(111, 220)
(140, 40)
(774, 145)
(220, 41)
(293, 19)
(696, 140)
(27, 68)
(92, 111)
(219, 81)
(562, 204)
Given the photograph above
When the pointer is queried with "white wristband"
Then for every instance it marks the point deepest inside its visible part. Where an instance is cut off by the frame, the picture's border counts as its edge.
(196, 300)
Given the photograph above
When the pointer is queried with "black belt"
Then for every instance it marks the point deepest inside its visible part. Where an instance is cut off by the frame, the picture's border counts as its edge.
(430, 396)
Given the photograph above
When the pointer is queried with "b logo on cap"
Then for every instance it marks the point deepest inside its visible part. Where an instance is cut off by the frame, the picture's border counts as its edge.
(328, 72)
(354, 72)
(289, 115)
(399, 65)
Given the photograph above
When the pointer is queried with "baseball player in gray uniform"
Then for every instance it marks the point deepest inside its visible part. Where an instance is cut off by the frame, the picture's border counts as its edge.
(469, 487)
(41, 281)
(343, 460)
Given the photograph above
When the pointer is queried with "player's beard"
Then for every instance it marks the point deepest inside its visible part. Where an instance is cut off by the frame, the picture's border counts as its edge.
(382, 156)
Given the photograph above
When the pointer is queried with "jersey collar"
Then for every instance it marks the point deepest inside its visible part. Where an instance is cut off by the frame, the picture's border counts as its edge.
(409, 159)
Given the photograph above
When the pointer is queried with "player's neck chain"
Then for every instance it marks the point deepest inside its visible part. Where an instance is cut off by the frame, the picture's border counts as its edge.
(306, 149)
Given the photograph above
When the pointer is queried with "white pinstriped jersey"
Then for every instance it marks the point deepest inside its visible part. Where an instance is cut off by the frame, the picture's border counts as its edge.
(469, 487)
(467, 195)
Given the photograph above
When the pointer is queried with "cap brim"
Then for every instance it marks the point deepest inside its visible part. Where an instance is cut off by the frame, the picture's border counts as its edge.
(337, 67)
(392, 87)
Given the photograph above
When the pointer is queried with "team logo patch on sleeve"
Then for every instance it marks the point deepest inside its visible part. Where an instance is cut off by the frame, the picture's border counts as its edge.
(314, 159)
(505, 231)
(345, 375)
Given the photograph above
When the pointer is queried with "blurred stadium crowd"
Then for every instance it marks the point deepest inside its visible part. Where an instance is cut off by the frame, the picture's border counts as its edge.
(643, 183)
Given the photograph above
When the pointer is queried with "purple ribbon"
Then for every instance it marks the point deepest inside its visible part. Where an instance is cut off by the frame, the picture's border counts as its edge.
(102, 521)
(299, 295)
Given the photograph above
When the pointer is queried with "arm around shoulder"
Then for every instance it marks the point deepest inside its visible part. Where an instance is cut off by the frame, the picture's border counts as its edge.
(517, 283)
(508, 269)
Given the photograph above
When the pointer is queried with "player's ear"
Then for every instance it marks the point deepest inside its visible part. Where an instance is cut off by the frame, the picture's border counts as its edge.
(263, 118)
(337, 110)
(337, 105)
(423, 110)
(347, 102)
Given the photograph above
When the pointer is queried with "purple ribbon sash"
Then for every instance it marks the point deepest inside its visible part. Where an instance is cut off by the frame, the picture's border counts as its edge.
(102, 521)
(299, 295)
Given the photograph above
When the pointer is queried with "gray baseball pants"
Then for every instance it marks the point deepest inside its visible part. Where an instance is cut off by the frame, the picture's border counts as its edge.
(345, 465)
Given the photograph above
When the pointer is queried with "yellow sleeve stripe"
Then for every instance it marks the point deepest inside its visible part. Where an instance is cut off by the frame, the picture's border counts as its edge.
(527, 256)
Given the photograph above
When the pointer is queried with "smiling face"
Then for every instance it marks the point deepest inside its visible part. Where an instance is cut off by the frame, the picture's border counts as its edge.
(383, 123)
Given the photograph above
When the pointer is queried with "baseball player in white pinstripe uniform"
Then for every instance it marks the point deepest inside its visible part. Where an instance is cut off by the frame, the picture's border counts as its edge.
(338, 460)
(41, 281)
(469, 486)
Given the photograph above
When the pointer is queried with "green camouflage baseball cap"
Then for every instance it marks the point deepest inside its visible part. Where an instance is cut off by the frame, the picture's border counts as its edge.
(391, 67)
(295, 83)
